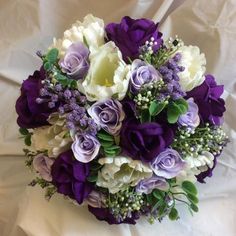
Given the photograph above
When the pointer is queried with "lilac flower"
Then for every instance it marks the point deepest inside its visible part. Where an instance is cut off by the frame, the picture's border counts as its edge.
(42, 164)
(85, 147)
(96, 199)
(108, 114)
(141, 73)
(168, 164)
(147, 185)
(191, 118)
(75, 62)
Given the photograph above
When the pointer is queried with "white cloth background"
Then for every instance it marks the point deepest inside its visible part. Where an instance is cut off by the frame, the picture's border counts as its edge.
(28, 25)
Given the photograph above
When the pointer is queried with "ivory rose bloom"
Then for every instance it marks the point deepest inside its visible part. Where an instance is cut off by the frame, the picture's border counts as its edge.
(194, 63)
(107, 75)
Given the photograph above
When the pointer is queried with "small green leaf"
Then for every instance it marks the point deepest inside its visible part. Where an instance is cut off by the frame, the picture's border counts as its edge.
(23, 131)
(158, 194)
(92, 178)
(158, 204)
(110, 153)
(173, 113)
(105, 136)
(182, 104)
(114, 147)
(194, 207)
(73, 84)
(106, 144)
(189, 187)
(162, 209)
(173, 215)
(47, 66)
(155, 108)
(145, 116)
(28, 139)
(192, 198)
(52, 55)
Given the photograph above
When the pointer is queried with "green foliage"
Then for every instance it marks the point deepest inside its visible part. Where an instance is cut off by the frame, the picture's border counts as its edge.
(23, 131)
(173, 215)
(189, 188)
(26, 136)
(156, 107)
(94, 168)
(52, 55)
(145, 116)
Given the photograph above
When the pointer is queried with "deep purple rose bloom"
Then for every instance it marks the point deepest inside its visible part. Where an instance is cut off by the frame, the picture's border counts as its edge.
(130, 34)
(104, 214)
(30, 113)
(75, 62)
(168, 164)
(69, 176)
(207, 97)
(141, 73)
(108, 114)
(145, 141)
(155, 182)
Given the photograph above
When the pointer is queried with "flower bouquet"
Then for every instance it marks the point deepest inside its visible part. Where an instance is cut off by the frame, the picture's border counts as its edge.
(122, 120)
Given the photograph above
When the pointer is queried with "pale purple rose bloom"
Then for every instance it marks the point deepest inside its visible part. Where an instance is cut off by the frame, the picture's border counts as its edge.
(85, 147)
(96, 199)
(168, 164)
(191, 118)
(155, 182)
(75, 62)
(42, 164)
(108, 114)
(142, 73)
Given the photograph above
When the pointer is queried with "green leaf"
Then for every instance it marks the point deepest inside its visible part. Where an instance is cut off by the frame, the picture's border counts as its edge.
(23, 131)
(106, 144)
(52, 55)
(110, 153)
(28, 139)
(173, 215)
(105, 136)
(189, 187)
(182, 104)
(92, 178)
(158, 194)
(194, 207)
(145, 116)
(113, 148)
(158, 204)
(162, 209)
(173, 113)
(73, 84)
(155, 108)
(192, 198)
(47, 66)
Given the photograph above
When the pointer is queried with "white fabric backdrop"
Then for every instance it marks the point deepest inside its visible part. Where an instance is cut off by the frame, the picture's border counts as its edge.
(27, 25)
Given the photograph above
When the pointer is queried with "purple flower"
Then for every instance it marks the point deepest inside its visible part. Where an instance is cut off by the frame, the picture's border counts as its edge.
(141, 73)
(147, 185)
(145, 141)
(207, 97)
(42, 164)
(85, 147)
(168, 164)
(69, 176)
(191, 118)
(75, 62)
(96, 199)
(131, 34)
(104, 214)
(108, 115)
(30, 113)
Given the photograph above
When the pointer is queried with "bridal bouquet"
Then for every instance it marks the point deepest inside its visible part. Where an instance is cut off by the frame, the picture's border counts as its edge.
(122, 120)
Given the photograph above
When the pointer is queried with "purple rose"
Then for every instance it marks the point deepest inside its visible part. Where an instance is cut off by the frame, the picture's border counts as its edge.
(69, 176)
(168, 164)
(85, 147)
(42, 164)
(191, 118)
(96, 199)
(207, 97)
(75, 62)
(131, 34)
(141, 73)
(108, 115)
(147, 185)
(145, 141)
(104, 214)
(30, 113)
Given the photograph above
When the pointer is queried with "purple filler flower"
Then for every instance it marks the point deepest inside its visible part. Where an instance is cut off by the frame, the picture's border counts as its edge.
(108, 114)
(75, 62)
(130, 34)
(141, 73)
(69, 176)
(42, 164)
(85, 147)
(168, 164)
(155, 182)
(191, 118)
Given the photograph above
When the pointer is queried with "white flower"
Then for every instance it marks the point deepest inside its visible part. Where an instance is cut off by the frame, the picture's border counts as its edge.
(120, 172)
(107, 75)
(54, 138)
(194, 63)
(90, 31)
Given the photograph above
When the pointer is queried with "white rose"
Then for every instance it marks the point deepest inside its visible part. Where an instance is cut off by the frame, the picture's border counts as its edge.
(107, 75)
(90, 31)
(120, 172)
(194, 63)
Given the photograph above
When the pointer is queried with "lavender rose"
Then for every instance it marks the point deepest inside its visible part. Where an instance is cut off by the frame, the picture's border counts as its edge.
(96, 199)
(85, 147)
(108, 114)
(147, 185)
(141, 73)
(168, 164)
(191, 118)
(75, 62)
(42, 164)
